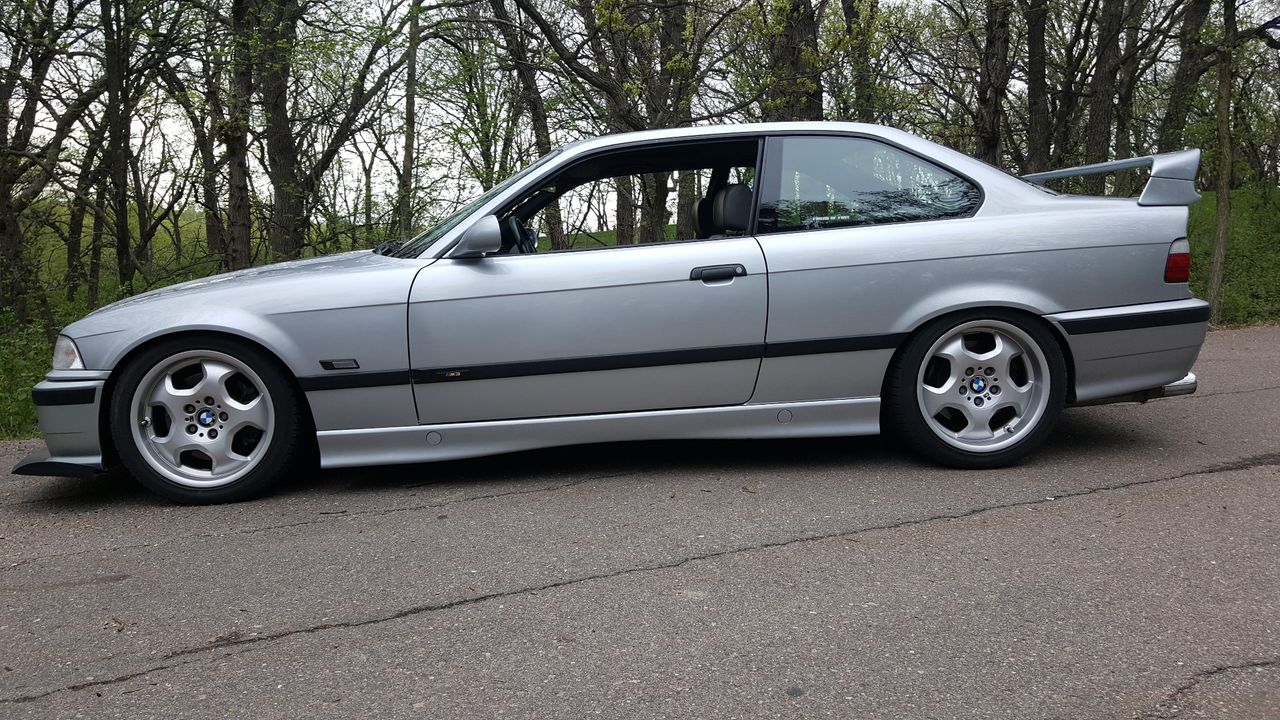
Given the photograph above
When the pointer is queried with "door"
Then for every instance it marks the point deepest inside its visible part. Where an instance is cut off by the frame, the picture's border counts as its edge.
(643, 327)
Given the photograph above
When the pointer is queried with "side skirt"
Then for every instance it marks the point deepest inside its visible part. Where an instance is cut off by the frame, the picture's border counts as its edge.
(428, 443)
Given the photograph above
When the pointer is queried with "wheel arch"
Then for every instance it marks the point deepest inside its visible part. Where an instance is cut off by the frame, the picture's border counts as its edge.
(110, 456)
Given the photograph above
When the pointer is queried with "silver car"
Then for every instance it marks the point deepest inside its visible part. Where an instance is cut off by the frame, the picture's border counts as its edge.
(837, 278)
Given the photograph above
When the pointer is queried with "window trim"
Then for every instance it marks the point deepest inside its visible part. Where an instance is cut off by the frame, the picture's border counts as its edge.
(772, 157)
(760, 139)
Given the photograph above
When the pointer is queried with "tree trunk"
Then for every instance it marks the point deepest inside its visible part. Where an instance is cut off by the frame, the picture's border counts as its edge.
(1191, 65)
(116, 64)
(1222, 230)
(796, 90)
(654, 215)
(1102, 90)
(13, 277)
(1037, 88)
(236, 138)
(404, 193)
(288, 223)
(625, 233)
(993, 80)
(687, 205)
(859, 27)
(94, 281)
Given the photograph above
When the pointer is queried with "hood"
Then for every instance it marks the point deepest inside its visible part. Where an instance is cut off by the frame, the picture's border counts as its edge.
(249, 278)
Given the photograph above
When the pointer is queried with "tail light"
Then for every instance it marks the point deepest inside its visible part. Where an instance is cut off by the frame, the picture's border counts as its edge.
(1177, 267)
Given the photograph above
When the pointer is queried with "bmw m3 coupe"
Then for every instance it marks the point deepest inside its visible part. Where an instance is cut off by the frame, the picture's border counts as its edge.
(819, 279)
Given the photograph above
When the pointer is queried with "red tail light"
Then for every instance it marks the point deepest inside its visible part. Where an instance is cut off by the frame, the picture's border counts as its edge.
(1177, 267)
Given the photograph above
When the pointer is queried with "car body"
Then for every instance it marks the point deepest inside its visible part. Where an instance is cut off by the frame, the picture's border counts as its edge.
(790, 319)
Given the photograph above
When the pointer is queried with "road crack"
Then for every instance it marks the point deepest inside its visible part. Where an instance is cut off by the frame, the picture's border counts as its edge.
(1172, 705)
(188, 655)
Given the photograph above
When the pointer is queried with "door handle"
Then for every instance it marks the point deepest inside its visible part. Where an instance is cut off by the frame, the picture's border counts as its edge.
(717, 273)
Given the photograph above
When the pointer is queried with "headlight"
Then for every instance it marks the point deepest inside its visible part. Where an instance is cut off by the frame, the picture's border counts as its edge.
(66, 356)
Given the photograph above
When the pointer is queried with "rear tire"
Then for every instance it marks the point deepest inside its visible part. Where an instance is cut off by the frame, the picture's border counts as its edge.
(202, 420)
(976, 389)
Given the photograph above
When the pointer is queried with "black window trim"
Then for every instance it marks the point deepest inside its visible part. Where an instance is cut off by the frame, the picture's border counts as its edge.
(772, 156)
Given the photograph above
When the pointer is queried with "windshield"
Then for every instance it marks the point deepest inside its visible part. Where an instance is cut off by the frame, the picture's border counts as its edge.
(420, 243)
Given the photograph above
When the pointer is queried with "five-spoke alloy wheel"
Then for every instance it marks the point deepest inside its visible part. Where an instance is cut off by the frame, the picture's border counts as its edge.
(208, 420)
(977, 389)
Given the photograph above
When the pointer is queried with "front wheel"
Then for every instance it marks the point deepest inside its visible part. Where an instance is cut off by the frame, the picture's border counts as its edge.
(206, 420)
(979, 389)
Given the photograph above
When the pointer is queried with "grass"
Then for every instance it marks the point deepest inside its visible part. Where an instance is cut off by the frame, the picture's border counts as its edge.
(1251, 295)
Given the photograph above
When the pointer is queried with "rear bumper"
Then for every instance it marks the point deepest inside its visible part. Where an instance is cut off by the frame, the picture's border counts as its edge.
(68, 406)
(1185, 386)
(1134, 350)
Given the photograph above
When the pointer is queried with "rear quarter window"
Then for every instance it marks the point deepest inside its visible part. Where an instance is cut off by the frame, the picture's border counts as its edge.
(819, 182)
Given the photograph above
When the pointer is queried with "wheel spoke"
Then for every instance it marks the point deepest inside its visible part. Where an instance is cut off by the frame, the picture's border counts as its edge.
(174, 445)
(172, 399)
(215, 379)
(957, 354)
(256, 414)
(937, 399)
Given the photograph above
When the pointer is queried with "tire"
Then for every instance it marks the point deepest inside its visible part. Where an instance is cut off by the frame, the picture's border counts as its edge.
(976, 389)
(207, 419)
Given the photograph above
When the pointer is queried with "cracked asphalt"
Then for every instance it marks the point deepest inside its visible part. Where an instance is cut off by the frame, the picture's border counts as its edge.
(1130, 570)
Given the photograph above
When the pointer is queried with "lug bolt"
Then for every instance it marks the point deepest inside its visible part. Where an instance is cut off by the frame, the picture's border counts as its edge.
(968, 372)
(189, 409)
(222, 417)
(208, 401)
(995, 389)
(191, 429)
(989, 372)
(213, 434)
(964, 389)
(977, 402)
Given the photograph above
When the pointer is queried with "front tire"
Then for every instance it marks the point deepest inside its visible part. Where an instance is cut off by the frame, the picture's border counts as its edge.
(977, 389)
(208, 419)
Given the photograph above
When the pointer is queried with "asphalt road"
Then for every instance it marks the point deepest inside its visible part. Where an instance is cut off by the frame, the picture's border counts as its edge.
(1131, 570)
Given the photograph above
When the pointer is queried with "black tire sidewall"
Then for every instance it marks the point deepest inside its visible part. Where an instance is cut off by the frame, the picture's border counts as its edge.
(286, 439)
(902, 414)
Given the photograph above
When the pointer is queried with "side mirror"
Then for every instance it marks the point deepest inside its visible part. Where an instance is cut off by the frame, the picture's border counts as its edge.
(482, 238)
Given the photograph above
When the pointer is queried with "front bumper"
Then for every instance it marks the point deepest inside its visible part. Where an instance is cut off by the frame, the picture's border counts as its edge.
(68, 405)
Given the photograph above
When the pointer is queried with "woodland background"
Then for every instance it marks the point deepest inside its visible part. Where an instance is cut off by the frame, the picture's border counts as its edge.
(145, 142)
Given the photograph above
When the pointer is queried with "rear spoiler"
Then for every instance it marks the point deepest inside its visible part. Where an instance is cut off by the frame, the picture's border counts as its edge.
(1172, 182)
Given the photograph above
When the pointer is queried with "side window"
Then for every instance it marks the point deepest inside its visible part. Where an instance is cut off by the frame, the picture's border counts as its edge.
(818, 182)
(652, 194)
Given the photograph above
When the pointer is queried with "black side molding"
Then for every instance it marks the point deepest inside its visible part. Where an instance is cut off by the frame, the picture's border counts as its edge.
(835, 345)
(48, 397)
(590, 364)
(1135, 321)
(343, 381)
(558, 366)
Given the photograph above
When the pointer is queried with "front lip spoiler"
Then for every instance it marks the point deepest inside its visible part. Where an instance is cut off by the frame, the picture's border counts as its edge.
(1185, 386)
(40, 464)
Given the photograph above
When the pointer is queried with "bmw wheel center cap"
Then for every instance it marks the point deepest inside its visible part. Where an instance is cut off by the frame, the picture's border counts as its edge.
(206, 417)
(977, 385)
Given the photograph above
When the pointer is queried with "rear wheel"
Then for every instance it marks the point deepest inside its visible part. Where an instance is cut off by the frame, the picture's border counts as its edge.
(980, 389)
(206, 420)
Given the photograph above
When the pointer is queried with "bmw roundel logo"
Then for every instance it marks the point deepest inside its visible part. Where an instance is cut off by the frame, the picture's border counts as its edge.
(206, 417)
(978, 385)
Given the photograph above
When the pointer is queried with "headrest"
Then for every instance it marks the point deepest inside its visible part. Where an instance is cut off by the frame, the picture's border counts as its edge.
(704, 218)
(731, 208)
